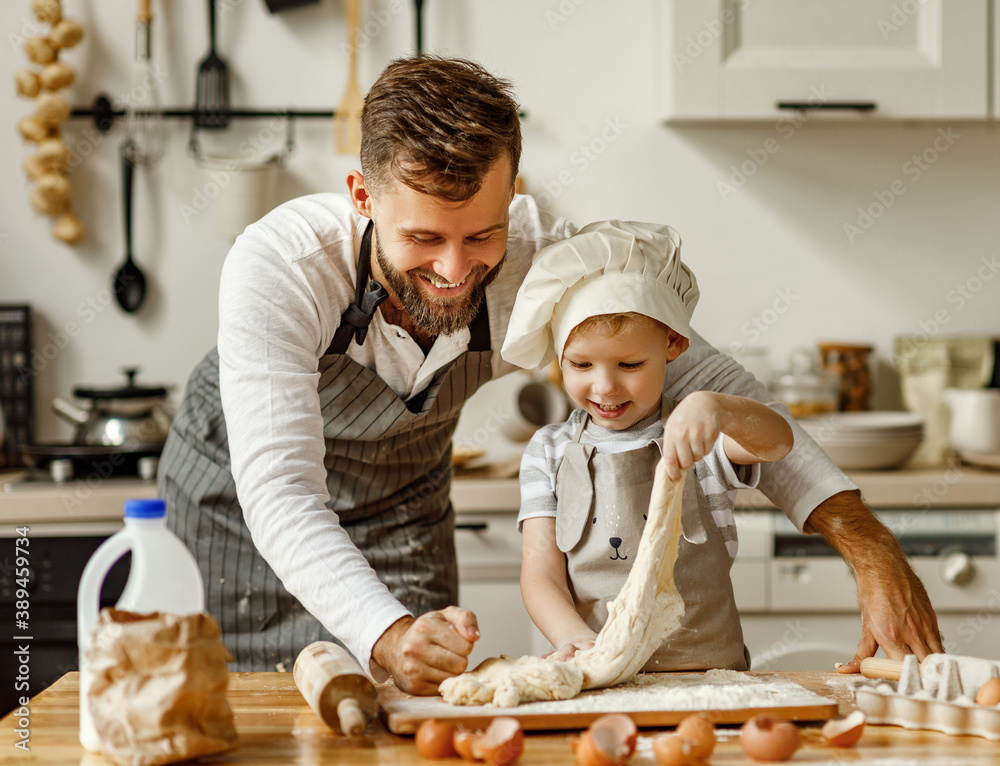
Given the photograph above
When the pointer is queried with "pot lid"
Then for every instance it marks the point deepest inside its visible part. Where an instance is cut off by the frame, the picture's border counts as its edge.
(128, 391)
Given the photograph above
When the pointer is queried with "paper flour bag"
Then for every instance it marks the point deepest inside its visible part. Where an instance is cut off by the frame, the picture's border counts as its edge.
(159, 687)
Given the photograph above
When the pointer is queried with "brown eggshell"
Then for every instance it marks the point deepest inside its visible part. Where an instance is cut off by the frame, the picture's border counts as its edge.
(608, 740)
(700, 732)
(462, 739)
(989, 693)
(764, 738)
(49, 11)
(434, 739)
(28, 83)
(69, 229)
(66, 34)
(501, 744)
(52, 109)
(846, 731)
(674, 750)
(40, 50)
(57, 75)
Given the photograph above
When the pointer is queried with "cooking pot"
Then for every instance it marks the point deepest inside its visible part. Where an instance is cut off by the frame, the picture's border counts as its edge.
(130, 416)
(975, 419)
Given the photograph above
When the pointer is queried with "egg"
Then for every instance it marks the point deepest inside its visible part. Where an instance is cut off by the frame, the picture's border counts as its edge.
(845, 732)
(989, 693)
(501, 744)
(434, 739)
(673, 750)
(609, 740)
(764, 738)
(462, 740)
(700, 732)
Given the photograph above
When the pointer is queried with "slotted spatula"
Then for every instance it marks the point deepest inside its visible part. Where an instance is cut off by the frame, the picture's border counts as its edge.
(347, 121)
(212, 99)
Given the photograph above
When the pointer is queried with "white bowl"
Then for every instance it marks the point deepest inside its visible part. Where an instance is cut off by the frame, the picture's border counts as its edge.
(866, 440)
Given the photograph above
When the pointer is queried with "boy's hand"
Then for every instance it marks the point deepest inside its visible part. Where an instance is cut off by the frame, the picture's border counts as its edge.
(690, 432)
(571, 646)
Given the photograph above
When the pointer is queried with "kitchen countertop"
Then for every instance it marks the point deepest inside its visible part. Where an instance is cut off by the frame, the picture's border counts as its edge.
(276, 726)
(102, 500)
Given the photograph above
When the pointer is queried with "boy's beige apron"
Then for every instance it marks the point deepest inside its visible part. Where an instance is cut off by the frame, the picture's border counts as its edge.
(600, 514)
(388, 467)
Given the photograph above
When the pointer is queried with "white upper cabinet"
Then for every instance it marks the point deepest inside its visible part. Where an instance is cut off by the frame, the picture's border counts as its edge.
(873, 59)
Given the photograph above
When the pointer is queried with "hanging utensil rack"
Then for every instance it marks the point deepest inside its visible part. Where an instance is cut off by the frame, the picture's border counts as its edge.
(104, 113)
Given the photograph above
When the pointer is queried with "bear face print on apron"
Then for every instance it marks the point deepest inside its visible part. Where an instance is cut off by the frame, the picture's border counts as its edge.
(388, 467)
(602, 500)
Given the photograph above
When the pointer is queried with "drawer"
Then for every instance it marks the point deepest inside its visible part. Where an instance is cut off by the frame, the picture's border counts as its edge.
(488, 547)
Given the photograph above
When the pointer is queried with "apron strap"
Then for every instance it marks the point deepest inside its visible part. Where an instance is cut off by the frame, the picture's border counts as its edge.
(368, 296)
(355, 320)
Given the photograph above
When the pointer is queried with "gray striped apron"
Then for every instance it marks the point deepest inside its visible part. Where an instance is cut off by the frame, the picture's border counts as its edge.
(600, 516)
(388, 467)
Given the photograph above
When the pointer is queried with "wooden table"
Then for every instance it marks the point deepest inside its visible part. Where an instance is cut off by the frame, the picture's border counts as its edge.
(277, 727)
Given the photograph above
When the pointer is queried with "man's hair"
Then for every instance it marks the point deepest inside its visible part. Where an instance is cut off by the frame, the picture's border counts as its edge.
(438, 125)
(611, 325)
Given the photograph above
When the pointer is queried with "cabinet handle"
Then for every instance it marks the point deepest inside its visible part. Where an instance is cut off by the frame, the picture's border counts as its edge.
(829, 106)
(473, 526)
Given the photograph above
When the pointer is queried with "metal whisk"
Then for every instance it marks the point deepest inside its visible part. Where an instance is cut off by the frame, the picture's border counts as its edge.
(144, 136)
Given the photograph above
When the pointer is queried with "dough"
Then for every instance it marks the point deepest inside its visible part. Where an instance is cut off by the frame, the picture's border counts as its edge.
(648, 608)
(507, 682)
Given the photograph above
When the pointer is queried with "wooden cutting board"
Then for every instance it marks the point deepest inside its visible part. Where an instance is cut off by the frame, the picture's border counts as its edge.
(652, 699)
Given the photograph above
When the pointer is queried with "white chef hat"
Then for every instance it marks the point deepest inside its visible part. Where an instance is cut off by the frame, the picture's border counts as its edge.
(608, 267)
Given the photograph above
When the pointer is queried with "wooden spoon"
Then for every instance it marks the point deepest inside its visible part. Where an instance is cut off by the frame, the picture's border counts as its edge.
(347, 121)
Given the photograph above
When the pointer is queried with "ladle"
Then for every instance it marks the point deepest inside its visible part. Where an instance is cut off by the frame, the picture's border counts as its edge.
(129, 282)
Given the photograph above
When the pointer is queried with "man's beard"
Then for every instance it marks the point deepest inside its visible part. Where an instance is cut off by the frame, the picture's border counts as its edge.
(436, 316)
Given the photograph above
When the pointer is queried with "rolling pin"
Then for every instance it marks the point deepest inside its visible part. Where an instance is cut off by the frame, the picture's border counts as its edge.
(335, 687)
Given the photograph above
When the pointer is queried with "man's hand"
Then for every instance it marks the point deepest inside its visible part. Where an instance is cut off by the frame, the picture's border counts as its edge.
(420, 653)
(896, 613)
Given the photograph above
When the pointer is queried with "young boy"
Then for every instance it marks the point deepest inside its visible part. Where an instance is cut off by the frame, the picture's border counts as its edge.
(613, 304)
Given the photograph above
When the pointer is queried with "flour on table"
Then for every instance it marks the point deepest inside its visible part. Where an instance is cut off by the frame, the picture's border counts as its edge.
(716, 690)
(647, 609)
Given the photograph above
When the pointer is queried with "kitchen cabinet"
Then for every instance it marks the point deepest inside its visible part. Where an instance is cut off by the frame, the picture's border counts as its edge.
(488, 549)
(871, 59)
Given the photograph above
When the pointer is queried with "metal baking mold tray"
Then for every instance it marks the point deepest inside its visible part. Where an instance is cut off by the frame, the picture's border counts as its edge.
(938, 702)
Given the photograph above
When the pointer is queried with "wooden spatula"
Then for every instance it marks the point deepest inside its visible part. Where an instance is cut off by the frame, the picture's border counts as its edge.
(347, 121)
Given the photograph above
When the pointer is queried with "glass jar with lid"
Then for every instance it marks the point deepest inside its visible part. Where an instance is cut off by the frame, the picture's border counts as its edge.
(805, 388)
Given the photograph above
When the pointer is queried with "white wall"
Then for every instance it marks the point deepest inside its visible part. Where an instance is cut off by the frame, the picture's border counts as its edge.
(588, 78)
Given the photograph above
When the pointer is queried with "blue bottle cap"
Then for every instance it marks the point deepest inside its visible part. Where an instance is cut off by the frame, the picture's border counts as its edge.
(146, 508)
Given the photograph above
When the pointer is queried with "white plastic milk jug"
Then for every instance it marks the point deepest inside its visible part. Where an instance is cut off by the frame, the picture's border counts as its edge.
(163, 577)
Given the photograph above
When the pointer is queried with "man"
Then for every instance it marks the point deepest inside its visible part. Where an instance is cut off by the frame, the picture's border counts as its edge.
(308, 468)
